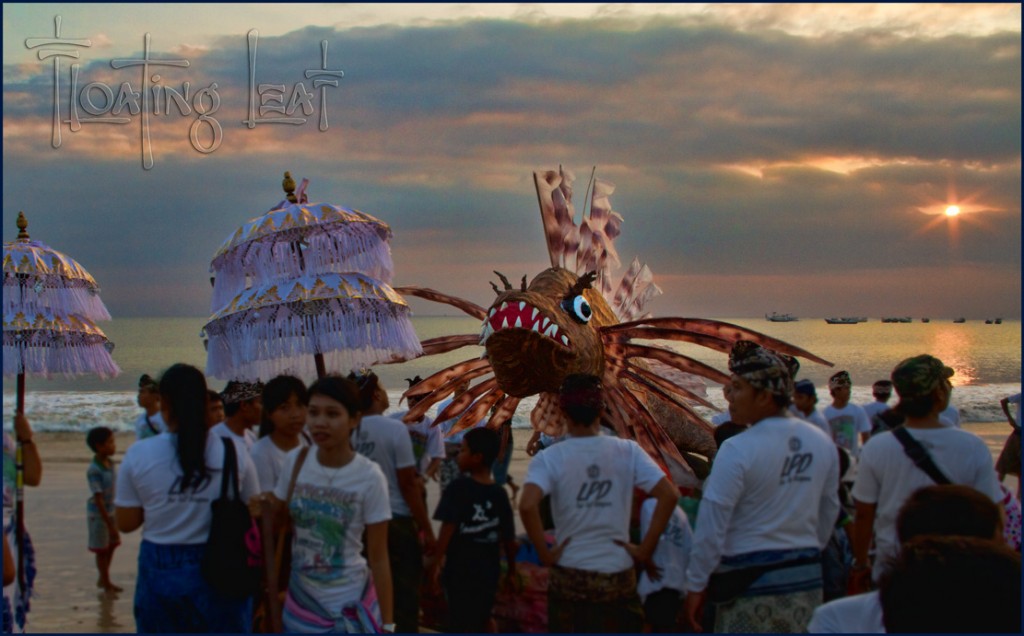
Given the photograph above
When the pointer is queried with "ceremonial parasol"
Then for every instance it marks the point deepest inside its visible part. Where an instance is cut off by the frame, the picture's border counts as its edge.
(49, 305)
(303, 286)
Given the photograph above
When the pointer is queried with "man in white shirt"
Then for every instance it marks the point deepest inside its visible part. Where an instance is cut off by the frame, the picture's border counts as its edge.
(768, 509)
(243, 408)
(887, 476)
(592, 586)
(804, 406)
(848, 423)
(881, 391)
(150, 423)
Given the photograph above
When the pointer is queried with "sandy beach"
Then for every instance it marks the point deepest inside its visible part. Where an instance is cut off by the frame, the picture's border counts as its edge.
(67, 599)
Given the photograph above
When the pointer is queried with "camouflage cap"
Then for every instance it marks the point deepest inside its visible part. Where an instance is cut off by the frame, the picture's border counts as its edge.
(762, 368)
(237, 391)
(839, 380)
(919, 375)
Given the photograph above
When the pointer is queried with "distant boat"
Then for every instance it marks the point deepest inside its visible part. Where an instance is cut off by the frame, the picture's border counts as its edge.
(898, 319)
(780, 317)
(960, 321)
(842, 321)
(926, 320)
(988, 322)
(999, 321)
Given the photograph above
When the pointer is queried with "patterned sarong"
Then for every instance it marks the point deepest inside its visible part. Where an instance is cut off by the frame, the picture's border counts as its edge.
(780, 600)
(592, 602)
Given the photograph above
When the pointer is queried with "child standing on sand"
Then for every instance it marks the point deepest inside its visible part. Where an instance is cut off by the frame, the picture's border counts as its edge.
(103, 535)
(476, 518)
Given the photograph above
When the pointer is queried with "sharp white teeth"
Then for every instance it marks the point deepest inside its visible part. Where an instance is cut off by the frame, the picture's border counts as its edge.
(565, 341)
(546, 321)
(533, 316)
(492, 312)
(551, 331)
(504, 322)
(519, 321)
(522, 305)
(536, 326)
(504, 306)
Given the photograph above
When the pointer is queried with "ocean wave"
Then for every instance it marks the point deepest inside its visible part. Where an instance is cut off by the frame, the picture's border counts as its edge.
(81, 410)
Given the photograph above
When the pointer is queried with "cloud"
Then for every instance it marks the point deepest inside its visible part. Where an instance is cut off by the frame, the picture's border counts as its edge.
(738, 152)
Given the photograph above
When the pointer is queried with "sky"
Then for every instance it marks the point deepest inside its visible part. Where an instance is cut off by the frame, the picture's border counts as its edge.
(766, 157)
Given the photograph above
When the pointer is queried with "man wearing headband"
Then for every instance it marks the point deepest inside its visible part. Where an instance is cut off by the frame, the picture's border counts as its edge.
(590, 477)
(150, 423)
(243, 408)
(881, 391)
(768, 508)
(849, 424)
(887, 476)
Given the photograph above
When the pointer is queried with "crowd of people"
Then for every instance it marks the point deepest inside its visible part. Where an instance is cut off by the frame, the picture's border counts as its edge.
(847, 519)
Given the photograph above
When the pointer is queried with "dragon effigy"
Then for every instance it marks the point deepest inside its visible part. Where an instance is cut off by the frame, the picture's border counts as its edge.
(573, 318)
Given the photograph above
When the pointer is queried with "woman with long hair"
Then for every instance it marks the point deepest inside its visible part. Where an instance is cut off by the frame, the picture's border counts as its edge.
(166, 486)
(333, 495)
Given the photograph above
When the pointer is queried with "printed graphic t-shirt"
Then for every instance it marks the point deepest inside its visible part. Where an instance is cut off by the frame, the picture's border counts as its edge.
(330, 509)
(483, 518)
(846, 425)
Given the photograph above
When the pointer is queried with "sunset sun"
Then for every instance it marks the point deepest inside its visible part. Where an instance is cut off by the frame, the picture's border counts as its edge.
(952, 210)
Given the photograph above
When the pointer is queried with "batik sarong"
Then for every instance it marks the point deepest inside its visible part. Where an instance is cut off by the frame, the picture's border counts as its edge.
(786, 588)
(592, 602)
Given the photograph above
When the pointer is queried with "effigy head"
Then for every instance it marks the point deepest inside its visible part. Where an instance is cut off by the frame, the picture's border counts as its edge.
(538, 335)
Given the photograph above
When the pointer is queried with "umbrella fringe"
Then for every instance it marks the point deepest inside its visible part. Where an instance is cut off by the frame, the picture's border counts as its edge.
(361, 249)
(69, 358)
(84, 301)
(357, 334)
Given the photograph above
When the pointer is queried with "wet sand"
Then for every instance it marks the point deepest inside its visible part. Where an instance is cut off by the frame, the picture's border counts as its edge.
(67, 599)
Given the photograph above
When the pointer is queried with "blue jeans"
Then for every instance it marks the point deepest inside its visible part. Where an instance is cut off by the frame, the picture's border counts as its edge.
(171, 594)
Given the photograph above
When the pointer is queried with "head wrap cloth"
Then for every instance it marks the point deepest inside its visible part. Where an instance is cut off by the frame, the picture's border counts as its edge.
(764, 369)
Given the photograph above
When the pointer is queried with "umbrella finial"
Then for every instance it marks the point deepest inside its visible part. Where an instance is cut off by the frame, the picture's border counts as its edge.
(289, 187)
(22, 226)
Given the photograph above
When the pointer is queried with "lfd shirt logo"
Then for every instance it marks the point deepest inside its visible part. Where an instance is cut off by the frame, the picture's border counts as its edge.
(796, 464)
(594, 492)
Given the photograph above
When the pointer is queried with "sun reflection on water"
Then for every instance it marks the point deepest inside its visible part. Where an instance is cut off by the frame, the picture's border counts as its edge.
(953, 347)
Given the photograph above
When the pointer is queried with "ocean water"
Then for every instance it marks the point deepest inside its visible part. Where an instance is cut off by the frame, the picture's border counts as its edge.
(987, 360)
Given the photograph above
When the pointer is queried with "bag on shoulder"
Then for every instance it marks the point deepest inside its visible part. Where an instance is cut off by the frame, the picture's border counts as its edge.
(233, 563)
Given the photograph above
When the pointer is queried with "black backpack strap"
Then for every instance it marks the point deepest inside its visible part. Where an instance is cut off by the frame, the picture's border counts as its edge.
(230, 475)
(919, 455)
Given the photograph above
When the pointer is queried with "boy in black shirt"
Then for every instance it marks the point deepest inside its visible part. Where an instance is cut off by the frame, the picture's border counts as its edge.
(476, 517)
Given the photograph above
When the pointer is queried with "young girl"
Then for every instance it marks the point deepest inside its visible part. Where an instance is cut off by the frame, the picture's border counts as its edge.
(337, 495)
(284, 416)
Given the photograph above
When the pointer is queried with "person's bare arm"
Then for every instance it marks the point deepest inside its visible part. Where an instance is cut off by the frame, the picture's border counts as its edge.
(129, 519)
(863, 528)
(9, 570)
(29, 451)
(380, 566)
(529, 512)
(412, 491)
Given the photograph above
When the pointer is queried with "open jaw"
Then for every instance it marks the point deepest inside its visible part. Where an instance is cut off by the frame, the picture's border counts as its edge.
(521, 315)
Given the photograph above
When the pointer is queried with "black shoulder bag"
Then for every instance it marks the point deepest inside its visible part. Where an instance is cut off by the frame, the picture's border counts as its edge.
(919, 455)
(228, 565)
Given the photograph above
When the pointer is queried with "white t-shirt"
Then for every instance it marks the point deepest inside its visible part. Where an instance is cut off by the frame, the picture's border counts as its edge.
(386, 441)
(591, 481)
(245, 441)
(330, 509)
(672, 553)
(427, 441)
(720, 418)
(775, 487)
(815, 417)
(874, 407)
(887, 477)
(858, 614)
(142, 428)
(846, 424)
(950, 417)
(269, 459)
(149, 479)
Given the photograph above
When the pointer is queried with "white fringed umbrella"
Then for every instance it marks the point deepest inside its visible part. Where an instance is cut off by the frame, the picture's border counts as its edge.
(49, 305)
(303, 286)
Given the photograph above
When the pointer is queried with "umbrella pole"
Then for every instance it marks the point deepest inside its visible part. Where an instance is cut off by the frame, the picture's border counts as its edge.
(19, 492)
(321, 368)
(270, 565)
